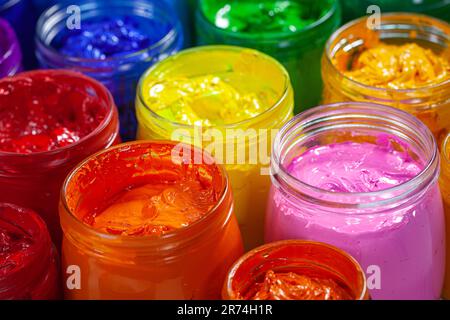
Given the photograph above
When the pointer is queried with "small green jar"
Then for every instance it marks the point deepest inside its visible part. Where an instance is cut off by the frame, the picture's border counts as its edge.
(352, 9)
(292, 31)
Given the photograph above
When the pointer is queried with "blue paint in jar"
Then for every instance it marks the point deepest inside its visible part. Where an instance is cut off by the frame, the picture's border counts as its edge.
(118, 40)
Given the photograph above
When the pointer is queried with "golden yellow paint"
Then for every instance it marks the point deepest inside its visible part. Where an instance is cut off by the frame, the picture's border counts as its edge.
(199, 95)
(208, 100)
(445, 189)
(407, 66)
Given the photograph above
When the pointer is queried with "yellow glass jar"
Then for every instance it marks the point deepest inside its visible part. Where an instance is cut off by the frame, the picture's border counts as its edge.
(445, 189)
(229, 101)
(430, 103)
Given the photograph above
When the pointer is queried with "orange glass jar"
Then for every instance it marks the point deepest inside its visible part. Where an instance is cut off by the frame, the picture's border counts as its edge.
(188, 262)
(326, 273)
(430, 102)
(445, 188)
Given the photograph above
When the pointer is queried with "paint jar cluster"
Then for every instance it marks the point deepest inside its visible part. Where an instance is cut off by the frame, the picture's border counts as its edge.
(286, 159)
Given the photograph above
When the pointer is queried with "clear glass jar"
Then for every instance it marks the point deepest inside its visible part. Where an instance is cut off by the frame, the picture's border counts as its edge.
(298, 51)
(186, 263)
(396, 234)
(445, 188)
(29, 266)
(430, 104)
(352, 9)
(10, 53)
(120, 72)
(307, 258)
(22, 17)
(34, 180)
(249, 182)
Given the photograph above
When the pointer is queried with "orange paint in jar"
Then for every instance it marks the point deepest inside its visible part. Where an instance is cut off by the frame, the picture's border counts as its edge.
(295, 270)
(403, 62)
(146, 220)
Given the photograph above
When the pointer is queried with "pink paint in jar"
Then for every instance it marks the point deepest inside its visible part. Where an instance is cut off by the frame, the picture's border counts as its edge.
(363, 177)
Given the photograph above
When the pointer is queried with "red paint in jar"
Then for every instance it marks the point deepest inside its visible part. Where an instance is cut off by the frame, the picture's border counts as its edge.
(50, 120)
(28, 258)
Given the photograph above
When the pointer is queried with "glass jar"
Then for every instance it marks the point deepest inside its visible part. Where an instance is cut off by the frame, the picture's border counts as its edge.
(185, 10)
(22, 17)
(34, 180)
(189, 262)
(445, 188)
(29, 267)
(431, 104)
(298, 51)
(312, 259)
(118, 71)
(10, 53)
(250, 139)
(352, 9)
(397, 234)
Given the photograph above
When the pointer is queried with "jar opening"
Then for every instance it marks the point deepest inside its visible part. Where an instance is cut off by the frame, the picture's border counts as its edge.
(52, 25)
(327, 9)
(395, 28)
(100, 178)
(355, 122)
(446, 149)
(229, 56)
(307, 258)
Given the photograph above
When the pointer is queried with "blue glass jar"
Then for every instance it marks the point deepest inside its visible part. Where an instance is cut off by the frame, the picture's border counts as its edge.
(22, 17)
(115, 43)
(185, 9)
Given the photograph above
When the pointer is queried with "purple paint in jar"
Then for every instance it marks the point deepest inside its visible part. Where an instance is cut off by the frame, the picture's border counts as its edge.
(363, 177)
(10, 53)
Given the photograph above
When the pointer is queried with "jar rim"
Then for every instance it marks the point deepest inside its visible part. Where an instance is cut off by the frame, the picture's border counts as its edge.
(92, 5)
(334, 7)
(228, 286)
(225, 48)
(9, 4)
(278, 170)
(336, 34)
(101, 126)
(148, 241)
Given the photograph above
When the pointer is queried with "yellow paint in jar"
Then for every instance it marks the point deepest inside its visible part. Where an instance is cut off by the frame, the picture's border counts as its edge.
(229, 101)
(445, 189)
(402, 62)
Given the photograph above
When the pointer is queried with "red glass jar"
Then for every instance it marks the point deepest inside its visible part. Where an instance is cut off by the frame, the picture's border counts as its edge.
(34, 180)
(315, 260)
(28, 258)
